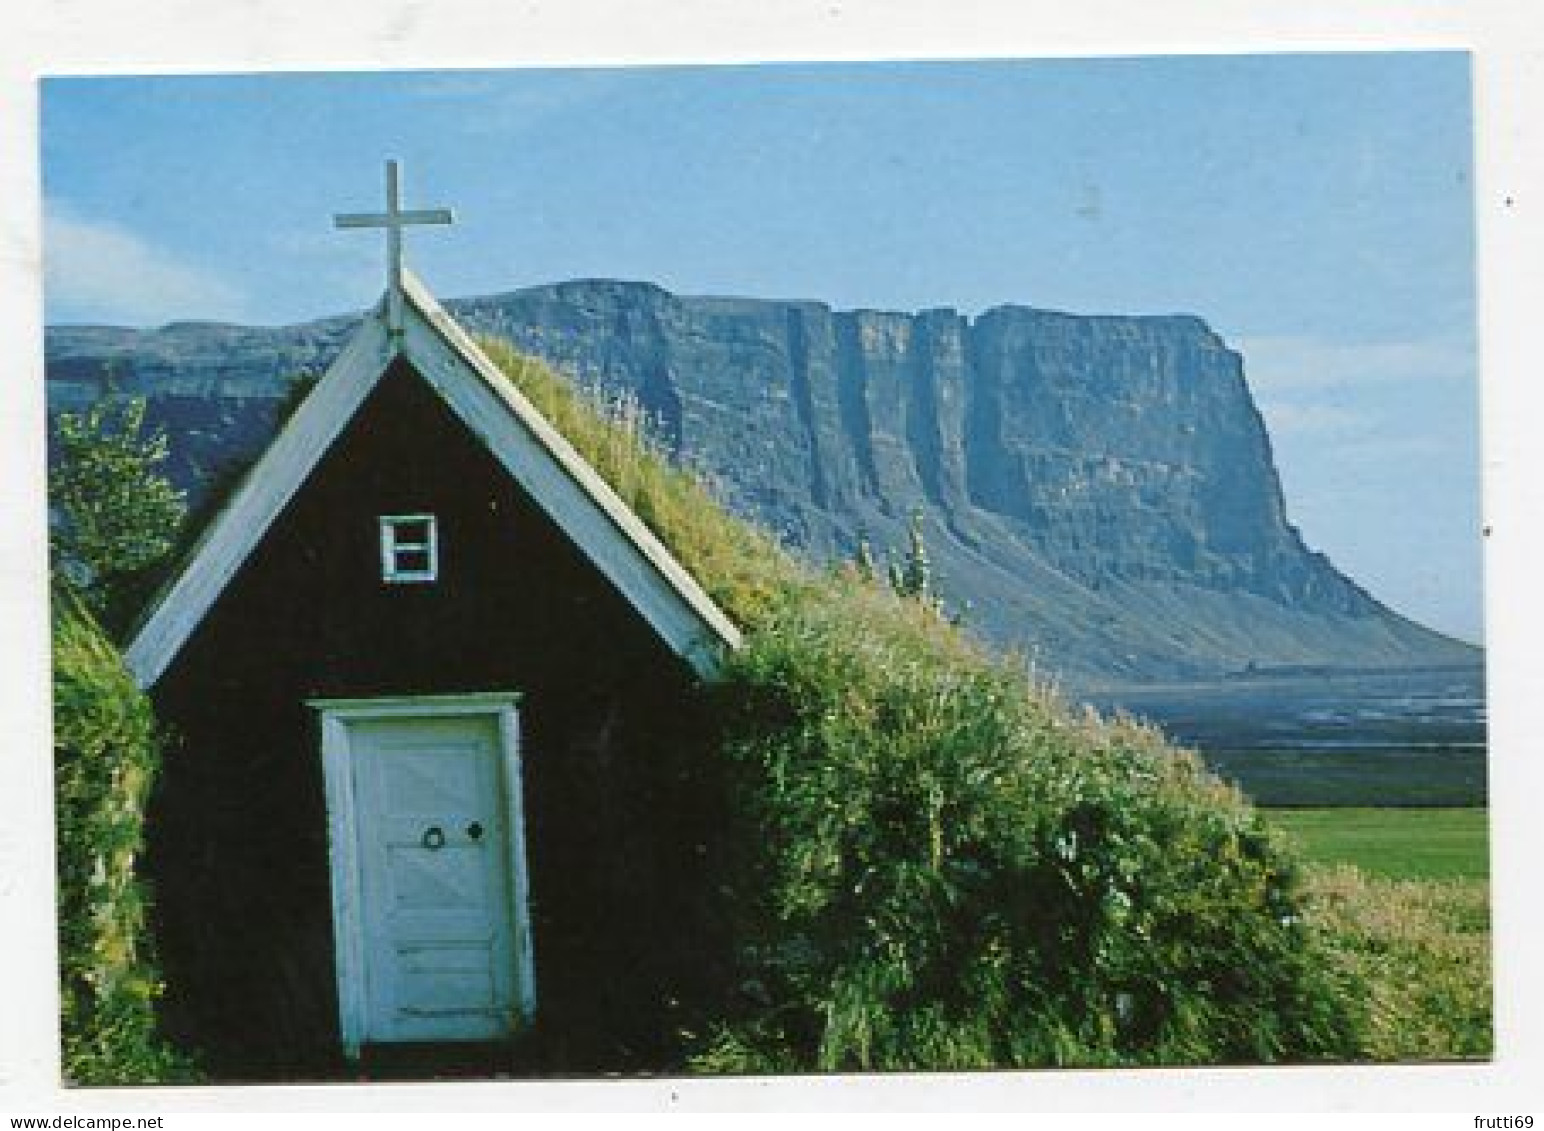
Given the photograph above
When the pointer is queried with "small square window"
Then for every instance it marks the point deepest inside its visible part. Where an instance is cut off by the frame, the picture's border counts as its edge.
(410, 548)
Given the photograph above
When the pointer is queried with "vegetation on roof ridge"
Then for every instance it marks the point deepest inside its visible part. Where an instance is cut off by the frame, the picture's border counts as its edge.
(740, 566)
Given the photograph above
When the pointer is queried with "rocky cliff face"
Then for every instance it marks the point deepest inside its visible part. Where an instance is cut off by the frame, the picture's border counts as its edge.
(1097, 491)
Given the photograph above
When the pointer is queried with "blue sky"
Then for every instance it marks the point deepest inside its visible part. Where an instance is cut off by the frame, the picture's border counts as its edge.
(1316, 209)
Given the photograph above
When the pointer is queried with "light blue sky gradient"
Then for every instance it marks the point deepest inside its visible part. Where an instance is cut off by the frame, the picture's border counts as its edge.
(1315, 209)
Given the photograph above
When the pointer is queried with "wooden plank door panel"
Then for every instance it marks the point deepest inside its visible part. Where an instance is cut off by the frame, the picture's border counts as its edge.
(439, 948)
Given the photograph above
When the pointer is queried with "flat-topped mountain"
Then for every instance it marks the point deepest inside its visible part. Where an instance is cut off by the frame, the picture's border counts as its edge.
(1098, 492)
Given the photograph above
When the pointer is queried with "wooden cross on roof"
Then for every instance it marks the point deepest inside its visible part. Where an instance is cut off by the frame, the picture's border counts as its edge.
(394, 219)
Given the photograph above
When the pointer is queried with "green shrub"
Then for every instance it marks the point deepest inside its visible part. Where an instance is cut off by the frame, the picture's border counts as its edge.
(114, 515)
(927, 862)
(104, 763)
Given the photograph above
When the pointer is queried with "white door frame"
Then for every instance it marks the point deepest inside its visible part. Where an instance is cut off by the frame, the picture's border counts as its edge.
(342, 835)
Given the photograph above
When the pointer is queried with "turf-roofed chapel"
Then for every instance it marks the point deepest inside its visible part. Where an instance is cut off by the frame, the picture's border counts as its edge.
(428, 676)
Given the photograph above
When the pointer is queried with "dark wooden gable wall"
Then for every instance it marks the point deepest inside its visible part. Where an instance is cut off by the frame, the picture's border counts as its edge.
(617, 806)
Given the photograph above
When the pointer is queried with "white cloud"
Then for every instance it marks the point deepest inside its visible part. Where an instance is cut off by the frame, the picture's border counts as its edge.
(1364, 393)
(100, 272)
(1287, 418)
(1287, 364)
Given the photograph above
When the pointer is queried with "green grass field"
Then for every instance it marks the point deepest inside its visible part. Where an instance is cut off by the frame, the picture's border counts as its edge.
(1410, 918)
(1401, 844)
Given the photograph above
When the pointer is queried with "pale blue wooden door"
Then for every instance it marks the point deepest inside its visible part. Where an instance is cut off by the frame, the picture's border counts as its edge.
(437, 912)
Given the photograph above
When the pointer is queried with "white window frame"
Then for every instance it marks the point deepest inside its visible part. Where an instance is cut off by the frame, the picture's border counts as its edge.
(391, 546)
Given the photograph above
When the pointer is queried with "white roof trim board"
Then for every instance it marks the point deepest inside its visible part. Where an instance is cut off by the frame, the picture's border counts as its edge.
(536, 456)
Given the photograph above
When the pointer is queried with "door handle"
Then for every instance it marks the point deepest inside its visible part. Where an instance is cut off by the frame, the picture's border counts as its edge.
(434, 838)
(475, 830)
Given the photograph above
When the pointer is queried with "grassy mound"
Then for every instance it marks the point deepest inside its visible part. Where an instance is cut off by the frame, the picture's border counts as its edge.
(104, 763)
(928, 862)
(942, 867)
(1422, 950)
